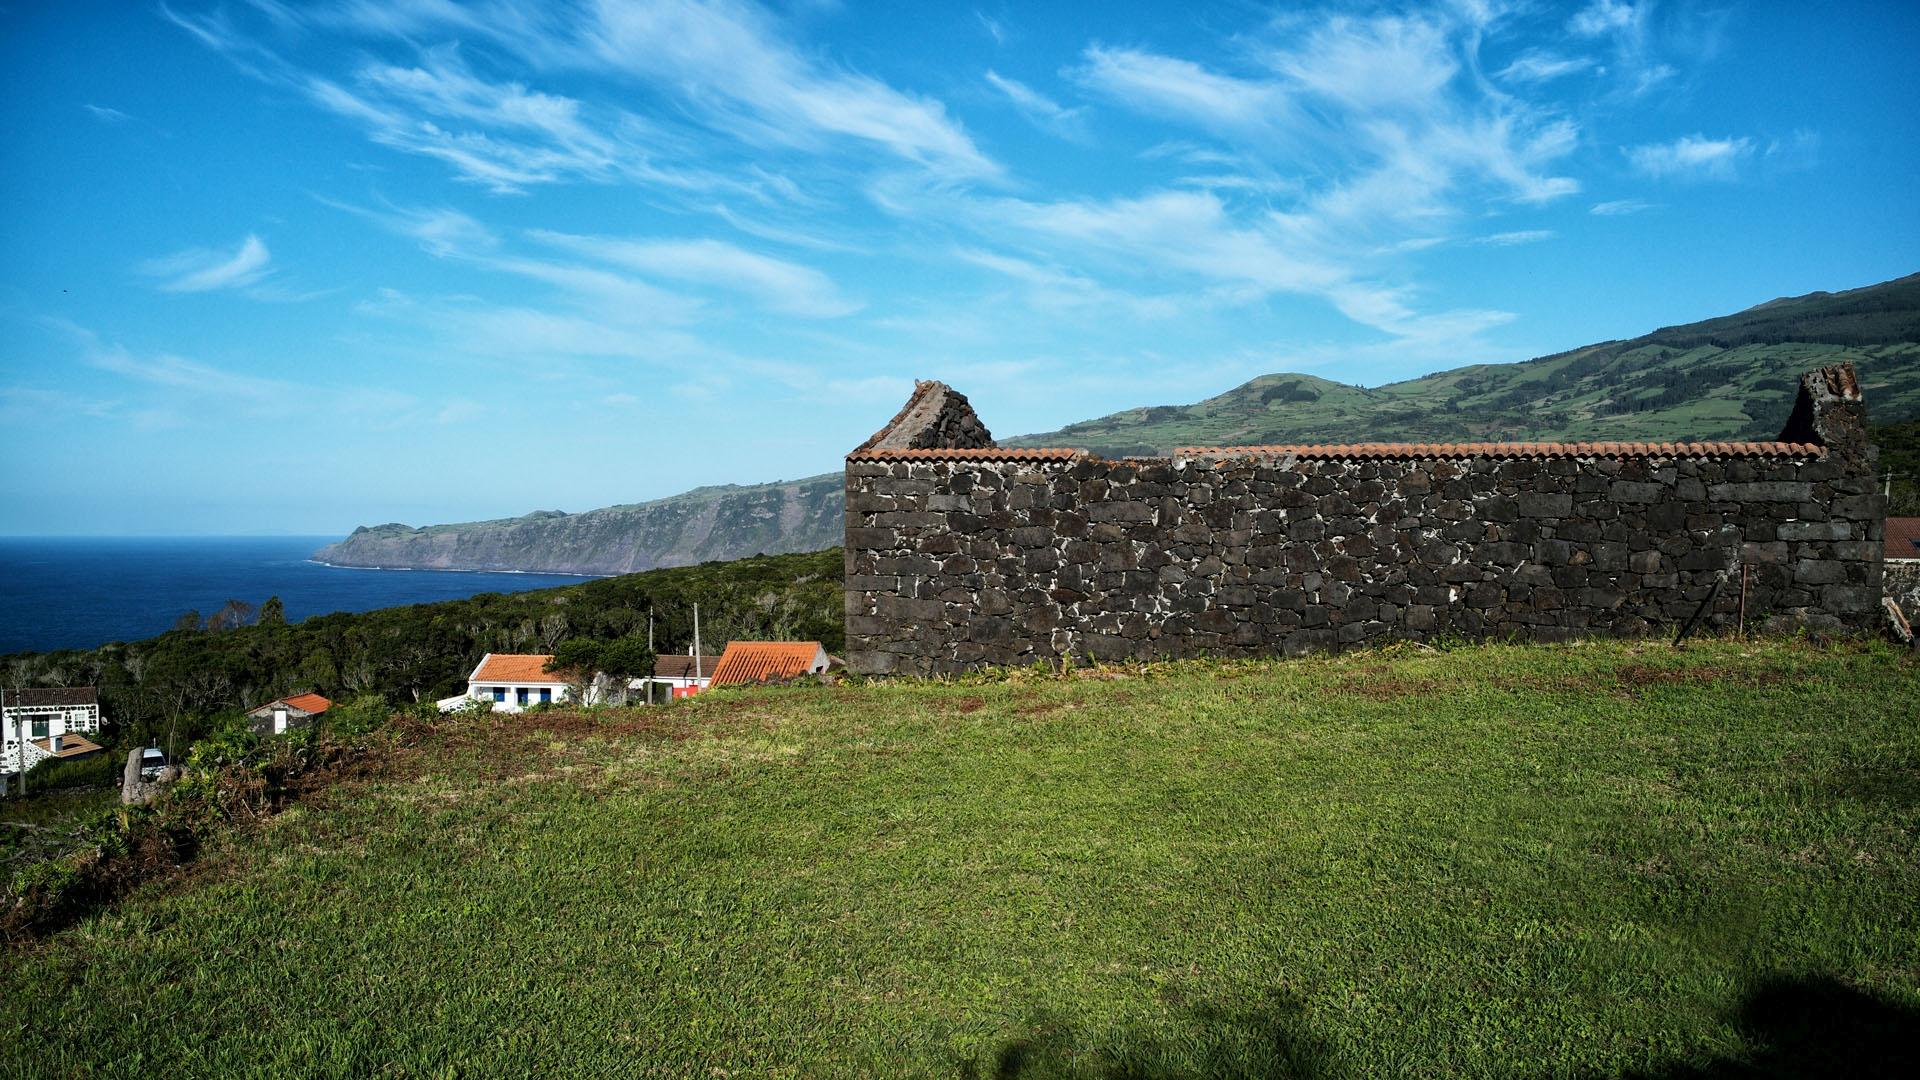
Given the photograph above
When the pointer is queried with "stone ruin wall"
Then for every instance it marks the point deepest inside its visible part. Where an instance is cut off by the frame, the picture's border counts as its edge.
(970, 555)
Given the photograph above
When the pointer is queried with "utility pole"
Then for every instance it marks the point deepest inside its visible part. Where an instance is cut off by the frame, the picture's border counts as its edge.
(696, 645)
(20, 732)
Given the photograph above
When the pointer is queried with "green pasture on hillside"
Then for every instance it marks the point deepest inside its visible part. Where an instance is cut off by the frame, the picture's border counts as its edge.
(1593, 860)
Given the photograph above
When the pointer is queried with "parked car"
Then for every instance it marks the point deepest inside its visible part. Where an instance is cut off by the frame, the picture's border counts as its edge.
(153, 761)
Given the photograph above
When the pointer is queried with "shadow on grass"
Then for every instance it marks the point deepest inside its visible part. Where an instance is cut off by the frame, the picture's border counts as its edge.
(1270, 1043)
(1814, 1027)
(1792, 1028)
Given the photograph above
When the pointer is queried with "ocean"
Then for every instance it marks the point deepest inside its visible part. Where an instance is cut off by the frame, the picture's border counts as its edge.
(79, 592)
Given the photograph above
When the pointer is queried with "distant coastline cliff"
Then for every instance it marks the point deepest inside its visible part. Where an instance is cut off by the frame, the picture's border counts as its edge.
(726, 522)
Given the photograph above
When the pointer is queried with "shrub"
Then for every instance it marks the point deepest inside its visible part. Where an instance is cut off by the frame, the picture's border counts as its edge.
(100, 770)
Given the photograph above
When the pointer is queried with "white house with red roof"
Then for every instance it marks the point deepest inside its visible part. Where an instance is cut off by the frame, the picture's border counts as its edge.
(512, 682)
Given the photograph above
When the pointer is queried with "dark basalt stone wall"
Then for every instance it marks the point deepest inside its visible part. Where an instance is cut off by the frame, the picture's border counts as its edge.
(974, 559)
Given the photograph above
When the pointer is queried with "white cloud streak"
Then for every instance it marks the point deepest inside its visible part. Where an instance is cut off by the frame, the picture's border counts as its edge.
(1619, 207)
(1538, 66)
(1516, 237)
(1692, 157)
(202, 270)
(783, 286)
(1042, 111)
(728, 58)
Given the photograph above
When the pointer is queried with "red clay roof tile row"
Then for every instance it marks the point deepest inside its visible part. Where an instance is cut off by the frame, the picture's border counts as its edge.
(988, 453)
(1380, 451)
(308, 703)
(516, 668)
(1388, 450)
(759, 661)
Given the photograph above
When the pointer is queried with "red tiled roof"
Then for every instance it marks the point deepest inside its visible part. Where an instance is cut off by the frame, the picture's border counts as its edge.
(1903, 538)
(1387, 450)
(986, 453)
(758, 661)
(309, 703)
(516, 667)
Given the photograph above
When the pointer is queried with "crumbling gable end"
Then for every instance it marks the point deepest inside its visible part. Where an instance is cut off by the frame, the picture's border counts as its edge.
(936, 417)
(1831, 412)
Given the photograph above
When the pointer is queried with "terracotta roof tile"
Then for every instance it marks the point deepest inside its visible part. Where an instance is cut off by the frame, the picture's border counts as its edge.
(1386, 450)
(309, 703)
(758, 661)
(71, 745)
(988, 453)
(516, 667)
(1903, 538)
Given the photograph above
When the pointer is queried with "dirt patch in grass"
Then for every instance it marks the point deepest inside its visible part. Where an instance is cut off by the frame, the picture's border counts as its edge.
(970, 703)
(1631, 679)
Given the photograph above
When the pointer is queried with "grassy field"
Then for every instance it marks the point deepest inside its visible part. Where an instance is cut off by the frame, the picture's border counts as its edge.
(1603, 859)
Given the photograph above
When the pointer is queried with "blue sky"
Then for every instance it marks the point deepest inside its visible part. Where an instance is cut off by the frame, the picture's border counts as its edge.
(297, 267)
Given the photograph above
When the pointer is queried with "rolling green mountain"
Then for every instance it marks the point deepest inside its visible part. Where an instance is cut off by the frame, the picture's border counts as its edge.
(1726, 378)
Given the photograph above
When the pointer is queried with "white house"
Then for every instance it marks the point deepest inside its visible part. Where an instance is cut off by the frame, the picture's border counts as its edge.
(512, 682)
(47, 723)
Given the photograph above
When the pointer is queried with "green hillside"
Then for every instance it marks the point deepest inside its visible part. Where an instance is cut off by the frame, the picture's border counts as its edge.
(1611, 859)
(1725, 378)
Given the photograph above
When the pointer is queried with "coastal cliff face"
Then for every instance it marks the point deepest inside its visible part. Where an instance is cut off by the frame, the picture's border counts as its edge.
(728, 522)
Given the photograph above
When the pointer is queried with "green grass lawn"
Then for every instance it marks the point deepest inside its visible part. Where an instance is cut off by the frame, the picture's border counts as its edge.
(1599, 859)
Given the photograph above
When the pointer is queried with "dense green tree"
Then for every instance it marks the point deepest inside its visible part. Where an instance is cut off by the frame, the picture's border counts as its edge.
(577, 660)
(625, 659)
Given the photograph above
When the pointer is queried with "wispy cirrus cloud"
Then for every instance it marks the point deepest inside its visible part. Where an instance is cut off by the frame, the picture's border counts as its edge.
(724, 62)
(730, 60)
(166, 389)
(1602, 17)
(783, 286)
(1381, 105)
(1692, 157)
(1540, 65)
(204, 269)
(1627, 27)
(1620, 207)
(1183, 90)
(1042, 111)
(1196, 237)
(104, 114)
(1515, 238)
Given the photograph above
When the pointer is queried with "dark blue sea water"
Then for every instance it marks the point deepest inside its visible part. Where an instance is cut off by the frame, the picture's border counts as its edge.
(75, 593)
